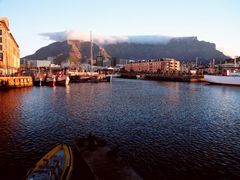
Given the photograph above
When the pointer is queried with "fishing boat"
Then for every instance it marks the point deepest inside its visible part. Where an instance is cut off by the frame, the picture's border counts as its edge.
(50, 81)
(38, 81)
(56, 164)
(227, 78)
(62, 80)
(38, 78)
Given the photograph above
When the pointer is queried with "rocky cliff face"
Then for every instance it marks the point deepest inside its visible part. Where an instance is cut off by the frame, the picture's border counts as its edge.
(72, 50)
(185, 49)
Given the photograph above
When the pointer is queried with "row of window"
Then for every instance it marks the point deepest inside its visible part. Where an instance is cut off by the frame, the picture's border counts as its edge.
(1, 54)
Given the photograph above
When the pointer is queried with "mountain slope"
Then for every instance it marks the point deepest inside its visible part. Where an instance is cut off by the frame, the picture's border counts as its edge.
(71, 50)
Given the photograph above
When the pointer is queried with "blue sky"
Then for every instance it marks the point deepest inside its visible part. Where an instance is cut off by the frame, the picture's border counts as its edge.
(216, 21)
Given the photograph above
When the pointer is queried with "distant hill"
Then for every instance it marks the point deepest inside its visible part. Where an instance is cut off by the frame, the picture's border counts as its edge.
(185, 49)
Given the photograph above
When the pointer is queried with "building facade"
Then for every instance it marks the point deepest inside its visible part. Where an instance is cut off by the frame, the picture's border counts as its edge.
(37, 63)
(9, 50)
(157, 65)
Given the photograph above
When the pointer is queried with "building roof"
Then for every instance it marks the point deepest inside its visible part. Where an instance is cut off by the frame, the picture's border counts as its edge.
(5, 22)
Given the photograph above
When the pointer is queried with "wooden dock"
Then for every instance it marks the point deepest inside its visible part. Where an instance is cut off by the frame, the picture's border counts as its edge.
(15, 82)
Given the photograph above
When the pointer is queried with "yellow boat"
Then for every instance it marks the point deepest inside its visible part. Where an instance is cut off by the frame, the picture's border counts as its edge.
(56, 164)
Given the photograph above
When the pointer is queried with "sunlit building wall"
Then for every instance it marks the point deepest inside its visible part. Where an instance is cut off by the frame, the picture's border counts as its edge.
(9, 50)
(158, 65)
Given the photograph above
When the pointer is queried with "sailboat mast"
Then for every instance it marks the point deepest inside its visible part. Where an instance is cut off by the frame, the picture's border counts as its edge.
(91, 52)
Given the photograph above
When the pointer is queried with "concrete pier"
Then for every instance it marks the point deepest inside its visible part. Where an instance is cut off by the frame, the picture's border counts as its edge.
(15, 82)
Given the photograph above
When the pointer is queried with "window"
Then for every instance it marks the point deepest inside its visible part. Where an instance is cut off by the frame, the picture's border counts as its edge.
(0, 32)
(0, 47)
(1, 56)
(0, 39)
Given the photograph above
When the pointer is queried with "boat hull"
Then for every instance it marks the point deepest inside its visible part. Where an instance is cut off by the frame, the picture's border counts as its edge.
(38, 82)
(63, 81)
(50, 82)
(223, 80)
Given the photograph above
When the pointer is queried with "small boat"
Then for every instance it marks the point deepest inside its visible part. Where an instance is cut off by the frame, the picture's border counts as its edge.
(140, 76)
(50, 81)
(56, 164)
(62, 80)
(38, 81)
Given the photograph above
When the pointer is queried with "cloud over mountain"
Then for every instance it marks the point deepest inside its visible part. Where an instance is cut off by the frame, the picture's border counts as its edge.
(101, 39)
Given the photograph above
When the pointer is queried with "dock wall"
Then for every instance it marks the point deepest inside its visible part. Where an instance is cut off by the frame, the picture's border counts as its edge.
(15, 82)
(164, 77)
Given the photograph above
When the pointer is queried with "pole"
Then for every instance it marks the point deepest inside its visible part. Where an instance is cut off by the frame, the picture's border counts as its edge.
(91, 52)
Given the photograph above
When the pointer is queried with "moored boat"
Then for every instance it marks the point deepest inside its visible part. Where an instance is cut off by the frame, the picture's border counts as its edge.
(56, 164)
(140, 76)
(233, 80)
(62, 80)
(38, 81)
(50, 81)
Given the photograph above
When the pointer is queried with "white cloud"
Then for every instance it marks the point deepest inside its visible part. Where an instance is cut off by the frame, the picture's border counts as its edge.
(101, 39)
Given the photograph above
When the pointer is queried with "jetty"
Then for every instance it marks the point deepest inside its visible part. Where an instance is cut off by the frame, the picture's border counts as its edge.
(15, 82)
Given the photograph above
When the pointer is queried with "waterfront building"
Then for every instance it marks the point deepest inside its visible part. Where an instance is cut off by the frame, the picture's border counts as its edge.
(9, 50)
(37, 63)
(154, 65)
(123, 61)
(99, 61)
(100, 58)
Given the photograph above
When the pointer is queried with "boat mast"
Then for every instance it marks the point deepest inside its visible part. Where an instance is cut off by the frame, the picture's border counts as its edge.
(91, 52)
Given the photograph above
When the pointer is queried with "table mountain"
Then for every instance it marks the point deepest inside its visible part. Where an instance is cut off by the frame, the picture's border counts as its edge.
(186, 49)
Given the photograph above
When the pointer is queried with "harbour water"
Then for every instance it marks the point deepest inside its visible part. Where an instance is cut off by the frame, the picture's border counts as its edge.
(164, 130)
